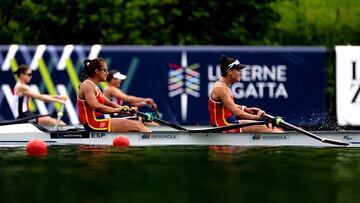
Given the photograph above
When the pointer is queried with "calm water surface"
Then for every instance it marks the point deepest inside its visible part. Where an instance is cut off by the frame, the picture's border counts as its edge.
(181, 174)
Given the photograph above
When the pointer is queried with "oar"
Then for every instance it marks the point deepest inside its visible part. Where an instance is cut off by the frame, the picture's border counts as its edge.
(206, 130)
(22, 120)
(59, 116)
(160, 121)
(228, 127)
(281, 122)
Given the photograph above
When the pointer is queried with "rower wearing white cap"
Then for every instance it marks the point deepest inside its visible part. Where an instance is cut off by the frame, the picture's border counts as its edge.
(115, 94)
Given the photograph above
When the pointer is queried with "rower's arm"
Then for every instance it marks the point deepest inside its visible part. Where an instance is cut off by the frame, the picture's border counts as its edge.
(26, 90)
(242, 107)
(148, 102)
(89, 94)
(133, 100)
(225, 95)
(112, 104)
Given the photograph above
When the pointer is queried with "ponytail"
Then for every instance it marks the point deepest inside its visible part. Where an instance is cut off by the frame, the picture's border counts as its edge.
(89, 68)
(84, 74)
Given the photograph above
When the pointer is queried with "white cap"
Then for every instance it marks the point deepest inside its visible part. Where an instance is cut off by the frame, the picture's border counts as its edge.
(119, 76)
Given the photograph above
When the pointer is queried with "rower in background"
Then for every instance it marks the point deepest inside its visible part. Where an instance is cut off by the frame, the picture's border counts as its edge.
(115, 94)
(22, 94)
(93, 105)
(222, 108)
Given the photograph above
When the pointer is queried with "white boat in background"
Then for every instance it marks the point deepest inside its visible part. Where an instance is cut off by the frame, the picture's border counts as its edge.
(20, 134)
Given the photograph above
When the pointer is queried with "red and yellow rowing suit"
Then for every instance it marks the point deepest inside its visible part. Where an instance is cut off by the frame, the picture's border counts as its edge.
(220, 115)
(91, 118)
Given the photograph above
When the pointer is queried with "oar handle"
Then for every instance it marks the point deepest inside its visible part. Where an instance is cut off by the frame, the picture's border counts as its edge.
(59, 116)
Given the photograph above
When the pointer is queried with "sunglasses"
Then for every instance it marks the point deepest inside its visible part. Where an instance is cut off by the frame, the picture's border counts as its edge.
(104, 69)
(28, 74)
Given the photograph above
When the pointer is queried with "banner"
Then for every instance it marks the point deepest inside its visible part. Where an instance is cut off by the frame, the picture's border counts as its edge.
(348, 85)
(284, 81)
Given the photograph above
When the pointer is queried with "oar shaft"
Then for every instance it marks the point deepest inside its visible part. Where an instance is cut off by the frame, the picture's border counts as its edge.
(228, 127)
(292, 127)
(289, 125)
(170, 124)
(22, 120)
(160, 121)
(281, 122)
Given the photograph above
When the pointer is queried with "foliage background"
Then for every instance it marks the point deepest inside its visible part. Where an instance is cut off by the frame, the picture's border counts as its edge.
(153, 22)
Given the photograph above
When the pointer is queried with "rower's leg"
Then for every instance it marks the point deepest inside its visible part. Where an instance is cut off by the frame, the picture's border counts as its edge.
(125, 125)
(151, 124)
(259, 128)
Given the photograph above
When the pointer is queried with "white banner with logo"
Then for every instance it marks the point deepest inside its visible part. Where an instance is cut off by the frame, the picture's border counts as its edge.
(348, 85)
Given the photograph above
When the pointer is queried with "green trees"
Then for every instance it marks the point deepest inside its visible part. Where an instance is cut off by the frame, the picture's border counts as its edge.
(155, 22)
(150, 22)
(318, 22)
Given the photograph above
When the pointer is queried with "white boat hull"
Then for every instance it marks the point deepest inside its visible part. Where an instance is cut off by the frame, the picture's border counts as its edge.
(20, 134)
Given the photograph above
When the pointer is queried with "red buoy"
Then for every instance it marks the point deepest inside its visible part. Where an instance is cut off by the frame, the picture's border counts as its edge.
(36, 147)
(121, 141)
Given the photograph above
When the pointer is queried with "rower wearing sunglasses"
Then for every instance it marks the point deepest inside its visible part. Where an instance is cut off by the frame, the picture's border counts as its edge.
(222, 108)
(93, 105)
(22, 94)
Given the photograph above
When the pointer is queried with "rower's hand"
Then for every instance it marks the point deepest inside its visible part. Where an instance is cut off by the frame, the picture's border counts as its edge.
(151, 103)
(133, 110)
(255, 111)
(61, 99)
(64, 98)
(123, 109)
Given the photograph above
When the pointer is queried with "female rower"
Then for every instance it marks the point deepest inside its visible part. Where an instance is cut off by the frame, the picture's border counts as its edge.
(92, 104)
(113, 92)
(222, 108)
(22, 94)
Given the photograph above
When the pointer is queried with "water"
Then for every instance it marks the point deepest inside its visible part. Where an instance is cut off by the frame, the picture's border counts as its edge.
(181, 174)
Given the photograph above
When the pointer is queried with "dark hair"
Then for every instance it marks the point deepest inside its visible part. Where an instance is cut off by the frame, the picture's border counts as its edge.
(110, 75)
(21, 70)
(224, 62)
(90, 66)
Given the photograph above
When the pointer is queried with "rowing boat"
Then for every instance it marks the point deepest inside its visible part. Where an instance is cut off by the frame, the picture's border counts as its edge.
(20, 134)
